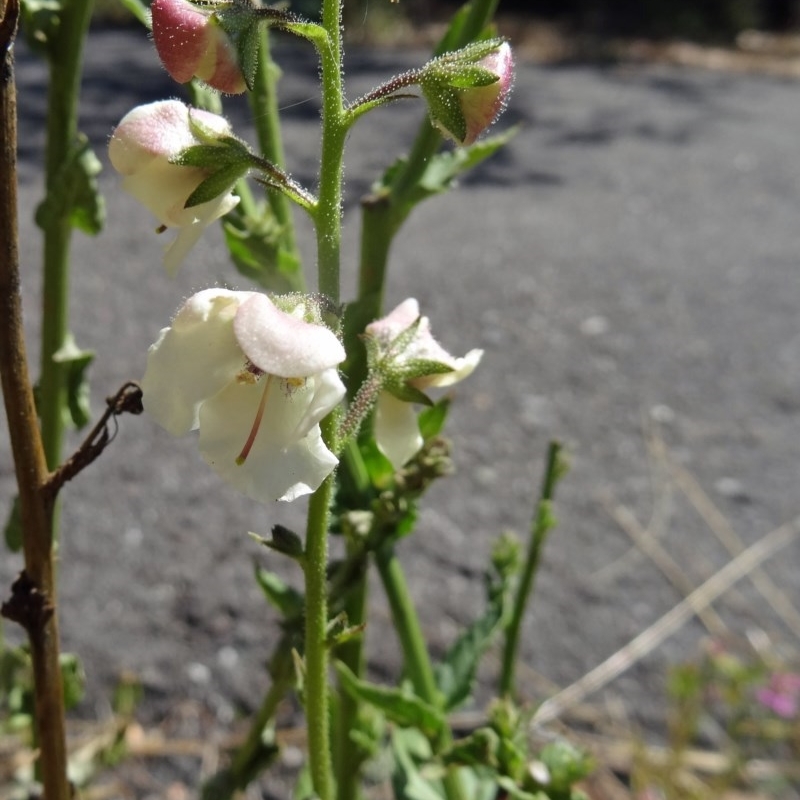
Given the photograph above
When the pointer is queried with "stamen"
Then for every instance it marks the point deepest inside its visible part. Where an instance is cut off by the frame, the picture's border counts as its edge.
(248, 445)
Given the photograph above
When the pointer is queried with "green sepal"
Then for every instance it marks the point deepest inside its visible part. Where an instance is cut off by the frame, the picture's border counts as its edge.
(284, 541)
(74, 193)
(212, 156)
(399, 706)
(254, 244)
(78, 410)
(247, 47)
(40, 21)
(431, 420)
(444, 106)
(405, 392)
(215, 185)
(12, 532)
(286, 599)
(472, 77)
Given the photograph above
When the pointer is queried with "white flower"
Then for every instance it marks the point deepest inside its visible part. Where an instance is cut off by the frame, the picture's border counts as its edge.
(256, 380)
(141, 150)
(396, 429)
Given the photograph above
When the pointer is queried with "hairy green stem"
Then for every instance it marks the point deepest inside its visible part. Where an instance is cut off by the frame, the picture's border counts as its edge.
(540, 527)
(65, 60)
(348, 756)
(33, 602)
(316, 648)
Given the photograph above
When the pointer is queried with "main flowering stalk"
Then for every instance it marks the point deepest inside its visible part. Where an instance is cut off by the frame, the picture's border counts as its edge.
(328, 223)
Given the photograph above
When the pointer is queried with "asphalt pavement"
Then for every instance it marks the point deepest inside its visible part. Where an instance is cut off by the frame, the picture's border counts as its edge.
(629, 263)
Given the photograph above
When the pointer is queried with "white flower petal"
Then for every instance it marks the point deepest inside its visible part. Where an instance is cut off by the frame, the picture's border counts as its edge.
(283, 345)
(193, 359)
(279, 465)
(462, 368)
(396, 429)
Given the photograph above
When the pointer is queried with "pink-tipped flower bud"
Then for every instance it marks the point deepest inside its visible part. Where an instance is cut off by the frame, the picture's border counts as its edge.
(191, 43)
(468, 90)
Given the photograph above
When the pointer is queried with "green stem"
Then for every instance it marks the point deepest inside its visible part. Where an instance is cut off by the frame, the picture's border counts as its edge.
(62, 128)
(316, 649)
(415, 650)
(328, 216)
(349, 757)
(540, 527)
(266, 117)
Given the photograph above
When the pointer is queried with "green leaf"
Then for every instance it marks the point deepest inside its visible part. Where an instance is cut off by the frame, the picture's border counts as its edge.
(566, 764)
(73, 678)
(40, 21)
(432, 419)
(479, 749)
(76, 361)
(515, 793)
(409, 748)
(254, 243)
(397, 705)
(12, 531)
(247, 51)
(74, 193)
(456, 674)
(287, 600)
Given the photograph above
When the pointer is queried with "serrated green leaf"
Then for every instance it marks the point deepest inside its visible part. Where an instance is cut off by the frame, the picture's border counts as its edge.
(287, 600)
(455, 675)
(431, 420)
(397, 705)
(12, 532)
(78, 411)
(74, 194)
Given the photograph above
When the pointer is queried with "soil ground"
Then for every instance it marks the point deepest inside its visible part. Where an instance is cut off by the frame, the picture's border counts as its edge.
(630, 266)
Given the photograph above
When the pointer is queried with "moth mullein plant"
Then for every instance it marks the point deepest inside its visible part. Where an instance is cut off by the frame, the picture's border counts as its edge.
(255, 376)
(144, 148)
(413, 363)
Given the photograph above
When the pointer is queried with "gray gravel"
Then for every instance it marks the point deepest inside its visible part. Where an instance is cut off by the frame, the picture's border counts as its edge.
(629, 263)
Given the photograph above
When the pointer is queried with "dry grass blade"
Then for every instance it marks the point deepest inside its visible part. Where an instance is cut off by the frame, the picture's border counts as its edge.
(720, 526)
(653, 636)
(651, 547)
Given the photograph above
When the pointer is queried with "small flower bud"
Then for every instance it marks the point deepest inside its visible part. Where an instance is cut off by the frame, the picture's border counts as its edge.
(468, 90)
(192, 43)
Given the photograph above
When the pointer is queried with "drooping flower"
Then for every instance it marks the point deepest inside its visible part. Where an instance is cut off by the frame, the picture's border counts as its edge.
(256, 377)
(142, 149)
(422, 364)
(191, 43)
(468, 90)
